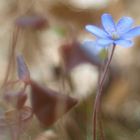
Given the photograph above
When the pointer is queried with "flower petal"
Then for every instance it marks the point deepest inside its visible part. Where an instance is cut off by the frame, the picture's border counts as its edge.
(92, 48)
(104, 42)
(108, 23)
(96, 31)
(124, 24)
(95, 51)
(132, 33)
(124, 43)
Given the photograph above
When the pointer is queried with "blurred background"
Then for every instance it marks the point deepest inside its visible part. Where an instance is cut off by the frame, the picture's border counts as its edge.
(52, 53)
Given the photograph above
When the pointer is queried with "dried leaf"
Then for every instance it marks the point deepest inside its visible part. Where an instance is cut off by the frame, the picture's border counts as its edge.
(48, 105)
(23, 72)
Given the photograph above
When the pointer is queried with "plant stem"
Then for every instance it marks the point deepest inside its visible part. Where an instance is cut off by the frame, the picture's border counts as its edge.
(99, 95)
(12, 55)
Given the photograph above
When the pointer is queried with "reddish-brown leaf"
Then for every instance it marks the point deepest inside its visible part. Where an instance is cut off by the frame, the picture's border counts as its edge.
(74, 55)
(48, 105)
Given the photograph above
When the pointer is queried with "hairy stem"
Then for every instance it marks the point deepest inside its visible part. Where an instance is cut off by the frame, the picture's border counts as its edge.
(99, 95)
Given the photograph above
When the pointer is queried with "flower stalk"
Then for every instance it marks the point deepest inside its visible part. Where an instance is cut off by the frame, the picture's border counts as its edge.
(97, 103)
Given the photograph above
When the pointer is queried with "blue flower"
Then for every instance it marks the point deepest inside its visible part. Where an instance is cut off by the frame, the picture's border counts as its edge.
(94, 50)
(120, 34)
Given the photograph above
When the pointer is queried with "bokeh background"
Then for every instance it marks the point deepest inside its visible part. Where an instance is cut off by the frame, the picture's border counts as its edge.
(45, 57)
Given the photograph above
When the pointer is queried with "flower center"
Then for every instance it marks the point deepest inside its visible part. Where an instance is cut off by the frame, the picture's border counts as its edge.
(115, 35)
